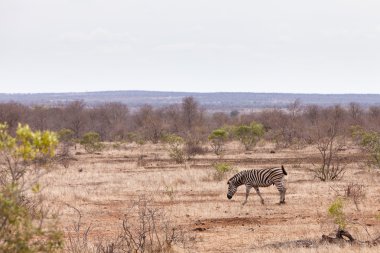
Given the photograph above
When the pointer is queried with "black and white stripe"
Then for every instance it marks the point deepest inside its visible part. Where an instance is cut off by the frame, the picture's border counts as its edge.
(256, 179)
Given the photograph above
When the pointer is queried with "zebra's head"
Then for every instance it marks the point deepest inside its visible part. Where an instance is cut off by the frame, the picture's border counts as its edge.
(231, 189)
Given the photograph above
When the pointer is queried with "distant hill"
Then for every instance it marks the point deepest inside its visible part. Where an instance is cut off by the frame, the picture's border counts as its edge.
(212, 101)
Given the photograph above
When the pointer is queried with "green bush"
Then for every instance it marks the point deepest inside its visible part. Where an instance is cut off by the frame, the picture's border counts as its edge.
(135, 137)
(218, 138)
(377, 216)
(20, 231)
(221, 170)
(336, 212)
(175, 148)
(249, 135)
(66, 135)
(23, 221)
(370, 142)
(66, 140)
(91, 142)
(28, 146)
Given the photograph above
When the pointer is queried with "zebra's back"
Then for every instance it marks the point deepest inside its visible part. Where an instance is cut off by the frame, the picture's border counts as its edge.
(264, 177)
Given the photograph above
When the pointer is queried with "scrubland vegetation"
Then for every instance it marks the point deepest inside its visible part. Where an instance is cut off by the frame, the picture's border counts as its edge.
(76, 178)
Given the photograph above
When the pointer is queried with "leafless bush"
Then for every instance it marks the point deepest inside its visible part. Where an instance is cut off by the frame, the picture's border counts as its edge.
(192, 149)
(150, 123)
(352, 191)
(330, 143)
(191, 113)
(66, 142)
(147, 228)
(109, 120)
(331, 166)
(107, 248)
(13, 113)
(170, 192)
(356, 192)
(75, 118)
(78, 241)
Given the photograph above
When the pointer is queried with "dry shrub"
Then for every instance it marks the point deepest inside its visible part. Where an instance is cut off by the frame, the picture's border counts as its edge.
(331, 166)
(175, 147)
(192, 149)
(140, 160)
(351, 191)
(77, 241)
(343, 220)
(147, 228)
(327, 133)
(170, 192)
(91, 142)
(355, 192)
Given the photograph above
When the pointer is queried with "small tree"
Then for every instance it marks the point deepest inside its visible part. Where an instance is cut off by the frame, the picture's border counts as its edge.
(22, 217)
(328, 136)
(331, 167)
(221, 170)
(66, 140)
(175, 143)
(249, 135)
(91, 142)
(336, 212)
(370, 143)
(356, 192)
(218, 138)
(20, 154)
(66, 136)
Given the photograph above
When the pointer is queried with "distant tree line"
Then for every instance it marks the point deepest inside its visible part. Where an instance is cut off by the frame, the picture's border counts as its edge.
(296, 125)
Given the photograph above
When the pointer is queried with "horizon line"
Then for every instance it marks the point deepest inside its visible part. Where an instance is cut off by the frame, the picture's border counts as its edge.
(196, 92)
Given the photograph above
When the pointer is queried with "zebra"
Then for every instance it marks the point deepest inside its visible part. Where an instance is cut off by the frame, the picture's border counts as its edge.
(256, 179)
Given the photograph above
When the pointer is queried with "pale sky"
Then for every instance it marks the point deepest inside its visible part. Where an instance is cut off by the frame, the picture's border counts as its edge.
(324, 46)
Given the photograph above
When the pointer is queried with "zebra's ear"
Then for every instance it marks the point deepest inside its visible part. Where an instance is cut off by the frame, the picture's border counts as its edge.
(228, 182)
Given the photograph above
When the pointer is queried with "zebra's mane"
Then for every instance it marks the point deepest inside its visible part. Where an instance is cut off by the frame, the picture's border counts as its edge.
(237, 175)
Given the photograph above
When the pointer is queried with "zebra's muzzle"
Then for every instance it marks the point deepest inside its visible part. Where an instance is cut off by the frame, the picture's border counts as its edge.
(229, 196)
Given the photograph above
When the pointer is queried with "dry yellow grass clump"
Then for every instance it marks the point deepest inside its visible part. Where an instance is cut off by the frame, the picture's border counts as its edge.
(104, 186)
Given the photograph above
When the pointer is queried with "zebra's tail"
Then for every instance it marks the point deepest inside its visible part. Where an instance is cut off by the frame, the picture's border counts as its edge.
(283, 170)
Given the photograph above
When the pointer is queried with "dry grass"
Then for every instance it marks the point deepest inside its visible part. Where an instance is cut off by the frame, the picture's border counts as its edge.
(102, 186)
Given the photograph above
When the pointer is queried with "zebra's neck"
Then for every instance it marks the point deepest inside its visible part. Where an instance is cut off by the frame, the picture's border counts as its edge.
(239, 178)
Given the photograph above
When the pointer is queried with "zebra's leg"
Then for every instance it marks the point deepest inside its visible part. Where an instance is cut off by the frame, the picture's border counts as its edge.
(283, 191)
(283, 197)
(281, 188)
(247, 190)
(258, 193)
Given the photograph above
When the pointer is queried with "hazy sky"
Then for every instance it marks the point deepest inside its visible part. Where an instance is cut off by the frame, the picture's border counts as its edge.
(324, 46)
